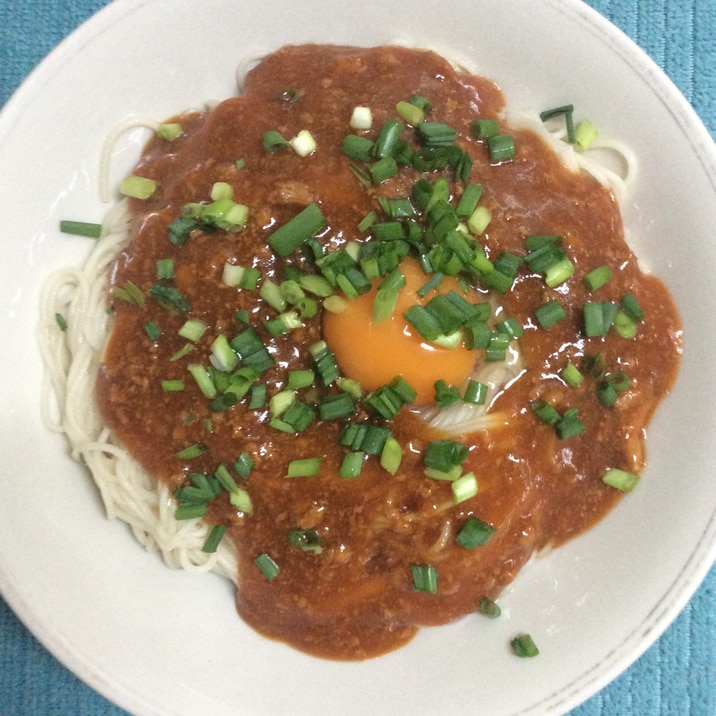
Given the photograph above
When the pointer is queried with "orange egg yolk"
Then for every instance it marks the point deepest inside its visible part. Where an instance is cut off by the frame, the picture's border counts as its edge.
(375, 354)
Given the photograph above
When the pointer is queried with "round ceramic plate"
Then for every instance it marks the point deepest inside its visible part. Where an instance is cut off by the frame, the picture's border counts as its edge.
(157, 641)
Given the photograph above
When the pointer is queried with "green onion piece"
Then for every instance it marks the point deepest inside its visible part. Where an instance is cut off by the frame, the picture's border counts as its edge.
(203, 380)
(625, 325)
(572, 376)
(598, 317)
(464, 487)
(524, 646)
(241, 500)
(436, 134)
(382, 170)
(169, 298)
(223, 402)
(545, 412)
(223, 356)
(569, 424)
(214, 538)
(489, 608)
(169, 131)
(433, 283)
(474, 533)
(304, 143)
(165, 269)
(468, 201)
(190, 510)
(550, 313)
(306, 224)
(631, 307)
(298, 379)
(192, 451)
(567, 111)
(446, 395)
(479, 220)
(152, 330)
(193, 329)
(307, 540)
(304, 467)
(387, 140)
(137, 187)
(335, 406)
(423, 321)
(244, 465)
(391, 455)
(501, 147)
(410, 113)
(484, 128)
(425, 578)
(559, 272)
(510, 327)
(268, 567)
(361, 118)
(585, 134)
(352, 464)
(445, 454)
(61, 321)
(180, 229)
(358, 148)
(81, 228)
(130, 293)
(183, 351)
(172, 386)
(620, 479)
(597, 277)
(475, 392)
(273, 141)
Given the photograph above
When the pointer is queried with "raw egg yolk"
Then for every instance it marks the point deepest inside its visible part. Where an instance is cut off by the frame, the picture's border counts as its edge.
(375, 354)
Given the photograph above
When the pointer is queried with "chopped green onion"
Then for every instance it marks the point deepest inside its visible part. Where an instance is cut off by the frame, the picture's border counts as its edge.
(524, 646)
(598, 317)
(193, 329)
(410, 113)
(81, 228)
(244, 465)
(625, 325)
(464, 487)
(631, 307)
(273, 141)
(165, 269)
(137, 187)
(241, 500)
(425, 578)
(335, 406)
(169, 131)
(382, 170)
(620, 479)
(572, 376)
(130, 293)
(597, 277)
(391, 455)
(569, 424)
(190, 510)
(445, 454)
(191, 452)
(169, 298)
(479, 220)
(268, 567)
(567, 111)
(305, 467)
(172, 386)
(501, 147)
(361, 118)
(545, 412)
(214, 538)
(474, 533)
(61, 321)
(475, 392)
(300, 228)
(550, 313)
(352, 464)
(489, 608)
(585, 134)
(304, 143)
(307, 540)
(484, 128)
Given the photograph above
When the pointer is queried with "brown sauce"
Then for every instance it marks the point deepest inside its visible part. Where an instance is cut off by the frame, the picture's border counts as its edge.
(356, 599)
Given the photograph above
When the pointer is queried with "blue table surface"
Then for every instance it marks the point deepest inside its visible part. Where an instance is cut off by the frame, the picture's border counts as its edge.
(677, 675)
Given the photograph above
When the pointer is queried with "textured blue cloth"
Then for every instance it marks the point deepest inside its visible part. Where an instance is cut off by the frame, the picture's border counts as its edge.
(678, 674)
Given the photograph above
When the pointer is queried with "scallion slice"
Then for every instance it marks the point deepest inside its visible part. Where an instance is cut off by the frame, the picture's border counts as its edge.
(474, 533)
(425, 578)
(81, 228)
(304, 467)
(268, 566)
(300, 228)
(214, 538)
(523, 645)
(137, 187)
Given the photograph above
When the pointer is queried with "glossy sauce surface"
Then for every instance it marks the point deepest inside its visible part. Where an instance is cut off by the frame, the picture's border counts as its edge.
(356, 598)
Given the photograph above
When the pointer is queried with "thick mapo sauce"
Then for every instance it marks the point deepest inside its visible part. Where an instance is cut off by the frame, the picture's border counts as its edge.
(346, 589)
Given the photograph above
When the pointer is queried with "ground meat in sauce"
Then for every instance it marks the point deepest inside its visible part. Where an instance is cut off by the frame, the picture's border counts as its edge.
(356, 598)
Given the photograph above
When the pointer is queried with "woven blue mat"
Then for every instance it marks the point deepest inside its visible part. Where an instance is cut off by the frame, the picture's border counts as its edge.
(677, 675)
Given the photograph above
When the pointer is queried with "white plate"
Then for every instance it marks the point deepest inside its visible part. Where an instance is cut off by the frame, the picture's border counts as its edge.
(162, 642)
